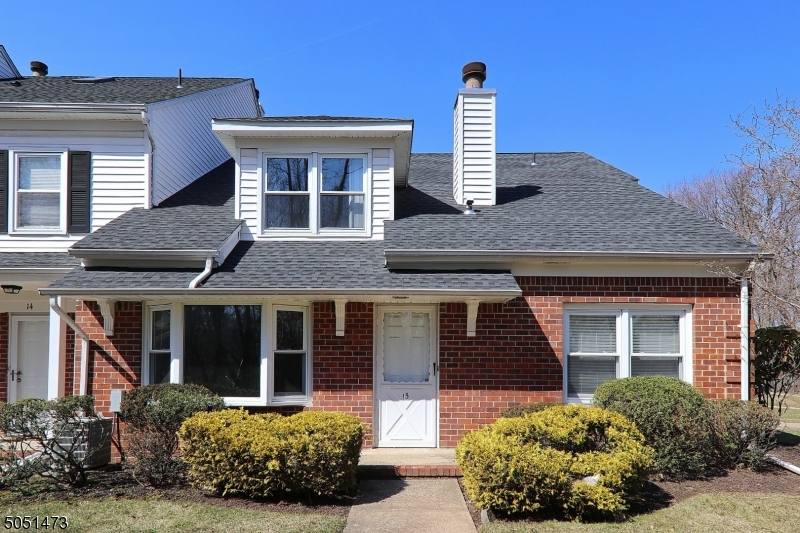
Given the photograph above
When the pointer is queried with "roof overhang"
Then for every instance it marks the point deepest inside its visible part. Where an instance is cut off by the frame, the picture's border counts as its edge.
(68, 111)
(355, 294)
(401, 131)
(504, 259)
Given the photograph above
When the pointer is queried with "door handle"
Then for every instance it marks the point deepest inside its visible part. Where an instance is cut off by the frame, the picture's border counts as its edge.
(19, 376)
(13, 374)
(435, 368)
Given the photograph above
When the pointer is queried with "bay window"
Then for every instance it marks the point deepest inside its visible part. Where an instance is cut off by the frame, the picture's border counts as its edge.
(315, 193)
(247, 356)
(602, 344)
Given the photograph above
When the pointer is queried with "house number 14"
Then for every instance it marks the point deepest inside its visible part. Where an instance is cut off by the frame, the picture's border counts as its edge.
(29, 306)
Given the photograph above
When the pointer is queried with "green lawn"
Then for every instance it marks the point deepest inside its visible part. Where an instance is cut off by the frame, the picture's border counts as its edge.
(156, 516)
(792, 414)
(707, 513)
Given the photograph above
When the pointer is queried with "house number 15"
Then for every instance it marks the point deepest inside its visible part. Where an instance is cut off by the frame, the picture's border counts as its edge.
(405, 396)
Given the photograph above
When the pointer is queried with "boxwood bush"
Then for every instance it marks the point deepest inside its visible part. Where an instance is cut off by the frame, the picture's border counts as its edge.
(673, 416)
(568, 461)
(153, 414)
(267, 455)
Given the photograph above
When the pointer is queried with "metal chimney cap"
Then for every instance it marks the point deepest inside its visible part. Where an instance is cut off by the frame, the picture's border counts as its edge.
(475, 70)
(38, 68)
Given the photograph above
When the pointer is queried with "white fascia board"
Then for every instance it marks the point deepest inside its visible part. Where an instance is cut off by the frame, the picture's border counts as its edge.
(114, 253)
(229, 244)
(353, 294)
(28, 107)
(423, 258)
(235, 128)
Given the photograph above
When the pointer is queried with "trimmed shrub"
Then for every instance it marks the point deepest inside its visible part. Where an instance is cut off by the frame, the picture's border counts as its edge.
(743, 433)
(523, 409)
(267, 455)
(154, 413)
(567, 461)
(673, 416)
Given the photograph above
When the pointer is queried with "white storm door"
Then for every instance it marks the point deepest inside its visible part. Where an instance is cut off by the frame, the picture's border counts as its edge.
(28, 357)
(407, 378)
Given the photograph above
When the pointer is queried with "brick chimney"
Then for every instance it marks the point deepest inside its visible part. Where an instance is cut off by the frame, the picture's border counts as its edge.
(474, 139)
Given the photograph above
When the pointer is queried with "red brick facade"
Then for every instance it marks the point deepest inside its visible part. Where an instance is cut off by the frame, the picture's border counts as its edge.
(515, 356)
(5, 338)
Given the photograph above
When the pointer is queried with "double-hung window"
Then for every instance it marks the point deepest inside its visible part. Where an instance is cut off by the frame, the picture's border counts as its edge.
(604, 344)
(247, 356)
(39, 184)
(315, 193)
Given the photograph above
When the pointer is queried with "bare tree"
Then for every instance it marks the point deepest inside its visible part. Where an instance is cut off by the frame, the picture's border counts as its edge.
(760, 200)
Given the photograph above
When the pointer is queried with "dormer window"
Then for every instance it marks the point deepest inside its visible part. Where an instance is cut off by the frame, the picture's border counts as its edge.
(315, 193)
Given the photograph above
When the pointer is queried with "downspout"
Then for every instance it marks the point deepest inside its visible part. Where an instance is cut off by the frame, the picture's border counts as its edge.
(84, 345)
(149, 155)
(204, 274)
(745, 338)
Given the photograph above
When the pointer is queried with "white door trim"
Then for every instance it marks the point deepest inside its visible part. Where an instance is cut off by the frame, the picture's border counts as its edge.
(12, 349)
(377, 363)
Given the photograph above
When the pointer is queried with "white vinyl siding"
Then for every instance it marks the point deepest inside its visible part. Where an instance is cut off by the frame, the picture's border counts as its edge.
(601, 344)
(119, 170)
(382, 189)
(474, 167)
(186, 148)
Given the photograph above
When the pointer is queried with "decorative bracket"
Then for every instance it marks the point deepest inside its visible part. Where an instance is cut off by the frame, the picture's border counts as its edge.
(340, 305)
(107, 310)
(472, 316)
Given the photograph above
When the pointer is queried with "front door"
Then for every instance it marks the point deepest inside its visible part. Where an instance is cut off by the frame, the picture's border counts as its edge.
(28, 357)
(406, 377)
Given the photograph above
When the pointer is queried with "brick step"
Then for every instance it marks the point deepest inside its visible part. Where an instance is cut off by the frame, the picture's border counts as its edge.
(403, 471)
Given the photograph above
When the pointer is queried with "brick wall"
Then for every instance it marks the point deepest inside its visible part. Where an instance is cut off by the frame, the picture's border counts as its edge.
(4, 340)
(516, 355)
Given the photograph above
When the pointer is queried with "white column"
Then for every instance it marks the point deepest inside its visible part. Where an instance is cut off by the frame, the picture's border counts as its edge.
(745, 339)
(57, 357)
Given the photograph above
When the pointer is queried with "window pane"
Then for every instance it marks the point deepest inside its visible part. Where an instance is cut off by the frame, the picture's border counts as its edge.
(592, 334)
(586, 373)
(342, 211)
(222, 348)
(39, 209)
(160, 335)
(656, 334)
(290, 373)
(406, 347)
(40, 172)
(342, 174)
(289, 330)
(284, 211)
(656, 366)
(287, 174)
(159, 367)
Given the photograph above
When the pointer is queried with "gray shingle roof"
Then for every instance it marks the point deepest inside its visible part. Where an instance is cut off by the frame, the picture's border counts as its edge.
(293, 265)
(197, 217)
(565, 202)
(37, 260)
(63, 90)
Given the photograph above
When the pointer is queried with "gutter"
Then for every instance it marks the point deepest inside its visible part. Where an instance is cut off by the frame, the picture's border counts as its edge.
(84, 345)
(91, 253)
(500, 256)
(74, 108)
(204, 274)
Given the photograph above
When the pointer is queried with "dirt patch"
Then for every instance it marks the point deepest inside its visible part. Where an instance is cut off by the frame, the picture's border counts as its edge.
(119, 484)
(657, 494)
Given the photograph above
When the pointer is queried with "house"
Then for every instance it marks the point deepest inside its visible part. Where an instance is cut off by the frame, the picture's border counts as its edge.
(77, 152)
(331, 268)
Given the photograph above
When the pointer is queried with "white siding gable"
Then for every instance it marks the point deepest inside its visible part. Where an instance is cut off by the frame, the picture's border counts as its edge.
(186, 148)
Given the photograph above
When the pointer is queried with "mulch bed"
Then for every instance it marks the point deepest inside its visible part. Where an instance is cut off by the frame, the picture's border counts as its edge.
(659, 494)
(113, 482)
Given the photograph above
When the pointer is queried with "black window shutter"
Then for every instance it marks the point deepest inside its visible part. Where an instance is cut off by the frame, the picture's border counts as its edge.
(4, 191)
(79, 192)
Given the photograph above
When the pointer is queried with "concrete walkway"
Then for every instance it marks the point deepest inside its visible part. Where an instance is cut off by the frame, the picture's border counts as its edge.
(432, 505)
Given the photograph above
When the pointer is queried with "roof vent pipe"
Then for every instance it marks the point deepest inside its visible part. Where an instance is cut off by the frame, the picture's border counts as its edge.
(469, 210)
(180, 80)
(39, 69)
(474, 74)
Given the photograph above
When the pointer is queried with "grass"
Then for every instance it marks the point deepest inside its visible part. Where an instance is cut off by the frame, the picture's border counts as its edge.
(155, 516)
(792, 414)
(706, 513)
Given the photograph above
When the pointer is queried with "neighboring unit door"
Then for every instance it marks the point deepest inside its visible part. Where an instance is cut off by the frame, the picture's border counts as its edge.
(407, 378)
(28, 357)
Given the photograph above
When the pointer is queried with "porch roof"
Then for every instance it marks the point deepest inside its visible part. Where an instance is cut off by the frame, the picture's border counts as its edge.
(291, 268)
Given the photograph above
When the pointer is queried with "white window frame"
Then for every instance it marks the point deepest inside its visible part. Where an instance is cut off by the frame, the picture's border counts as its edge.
(624, 315)
(297, 399)
(268, 312)
(315, 193)
(13, 197)
(148, 337)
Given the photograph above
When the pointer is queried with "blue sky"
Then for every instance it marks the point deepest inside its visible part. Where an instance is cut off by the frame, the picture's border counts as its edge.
(646, 86)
